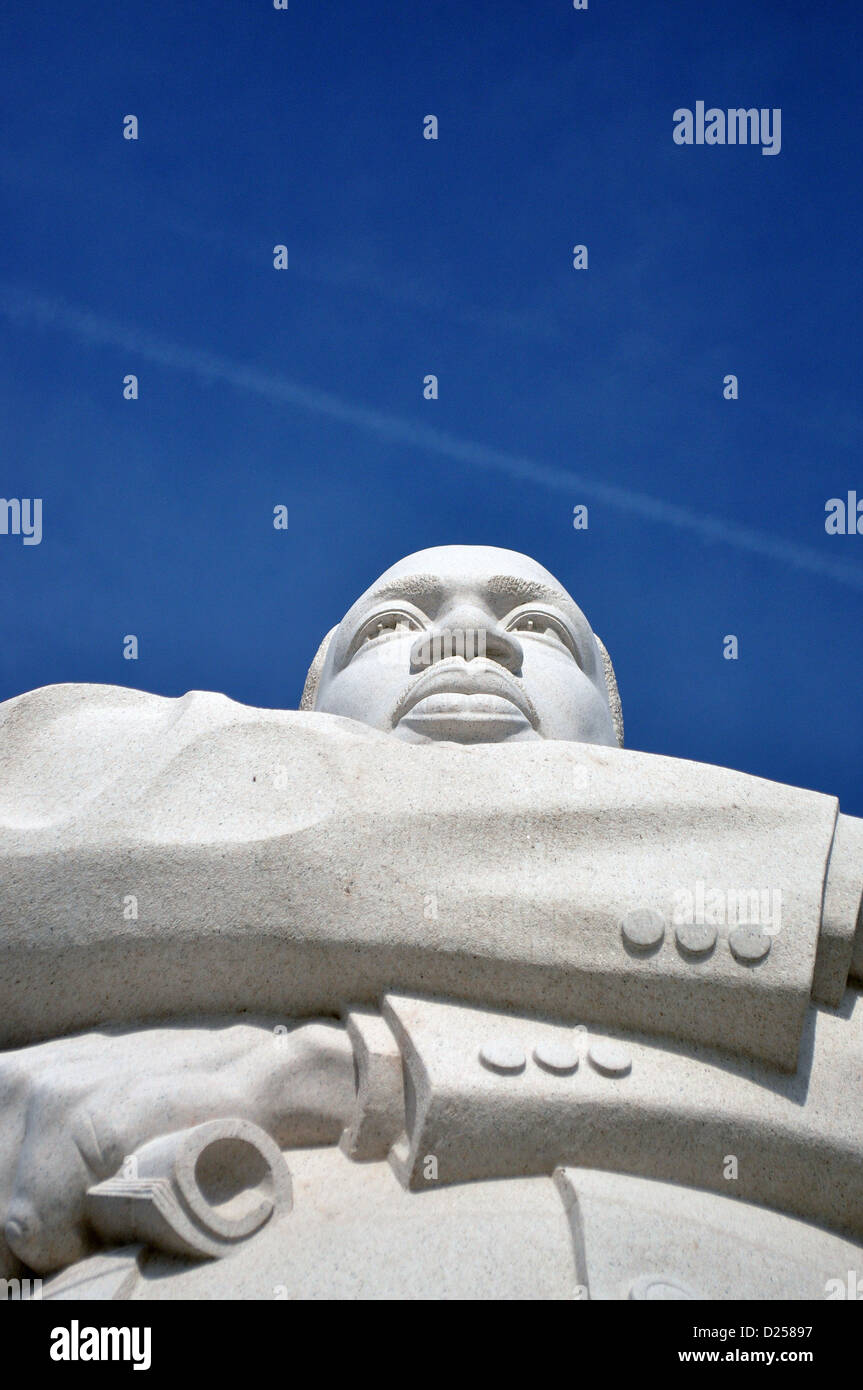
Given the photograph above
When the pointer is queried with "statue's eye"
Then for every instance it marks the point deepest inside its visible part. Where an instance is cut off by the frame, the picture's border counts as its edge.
(386, 625)
(544, 626)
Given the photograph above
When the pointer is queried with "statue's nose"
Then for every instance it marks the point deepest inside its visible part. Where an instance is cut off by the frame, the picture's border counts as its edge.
(468, 633)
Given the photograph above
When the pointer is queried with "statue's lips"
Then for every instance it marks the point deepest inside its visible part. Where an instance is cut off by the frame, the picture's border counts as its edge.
(452, 690)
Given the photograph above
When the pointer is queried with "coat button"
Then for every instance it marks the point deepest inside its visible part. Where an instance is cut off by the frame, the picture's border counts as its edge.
(556, 1056)
(503, 1054)
(609, 1058)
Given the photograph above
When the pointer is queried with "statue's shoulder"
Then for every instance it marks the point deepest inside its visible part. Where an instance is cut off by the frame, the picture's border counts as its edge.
(69, 741)
(77, 699)
(107, 705)
(56, 721)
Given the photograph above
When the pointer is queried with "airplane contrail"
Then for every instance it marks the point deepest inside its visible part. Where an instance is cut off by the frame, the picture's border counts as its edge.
(26, 307)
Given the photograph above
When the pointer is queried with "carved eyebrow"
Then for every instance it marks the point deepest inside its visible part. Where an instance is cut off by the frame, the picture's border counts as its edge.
(506, 586)
(428, 590)
(527, 591)
(416, 586)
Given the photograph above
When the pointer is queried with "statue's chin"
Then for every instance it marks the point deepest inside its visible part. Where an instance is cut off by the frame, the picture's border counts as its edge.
(459, 718)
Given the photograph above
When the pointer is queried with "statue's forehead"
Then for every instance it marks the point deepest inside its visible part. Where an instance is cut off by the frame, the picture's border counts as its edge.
(443, 570)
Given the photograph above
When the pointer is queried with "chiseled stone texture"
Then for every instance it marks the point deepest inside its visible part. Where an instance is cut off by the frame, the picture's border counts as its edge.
(397, 996)
(584, 1234)
(659, 1110)
(303, 862)
(356, 1234)
(632, 1235)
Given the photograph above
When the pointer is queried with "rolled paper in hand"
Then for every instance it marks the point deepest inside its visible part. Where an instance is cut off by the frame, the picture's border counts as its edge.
(198, 1192)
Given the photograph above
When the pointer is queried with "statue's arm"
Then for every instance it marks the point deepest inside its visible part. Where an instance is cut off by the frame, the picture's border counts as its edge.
(839, 958)
(850, 830)
(855, 824)
(857, 953)
(76, 1108)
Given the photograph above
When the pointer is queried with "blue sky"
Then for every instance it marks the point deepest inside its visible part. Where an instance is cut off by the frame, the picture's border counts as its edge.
(407, 256)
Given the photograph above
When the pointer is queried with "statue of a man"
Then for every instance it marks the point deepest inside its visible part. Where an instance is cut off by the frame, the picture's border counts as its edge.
(468, 644)
(435, 928)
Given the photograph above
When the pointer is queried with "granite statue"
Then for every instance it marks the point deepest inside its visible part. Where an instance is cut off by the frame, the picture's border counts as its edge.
(427, 989)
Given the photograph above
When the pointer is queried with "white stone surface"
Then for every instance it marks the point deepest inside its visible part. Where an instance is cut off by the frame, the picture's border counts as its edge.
(382, 934)
(630, 1234)
(354, 1233)
(197, 1192)
(302, 863)
(643, 929)
(609, 1058)
(676, 1116)
(503, 1053)
(696, 938)
(559, 1056)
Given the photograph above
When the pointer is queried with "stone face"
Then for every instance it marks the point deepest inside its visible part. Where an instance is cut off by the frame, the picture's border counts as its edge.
(426, 990)
(469, 644)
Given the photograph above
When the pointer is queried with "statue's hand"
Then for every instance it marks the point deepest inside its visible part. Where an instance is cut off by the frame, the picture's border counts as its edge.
(74, 1109)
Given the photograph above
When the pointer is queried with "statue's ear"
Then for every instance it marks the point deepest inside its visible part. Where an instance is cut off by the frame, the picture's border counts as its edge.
(310, 689)
(613, 693)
